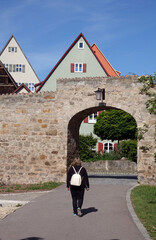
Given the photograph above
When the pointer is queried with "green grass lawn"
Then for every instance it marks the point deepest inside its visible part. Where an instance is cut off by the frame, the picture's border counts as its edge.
(144, 202)
(28, 187)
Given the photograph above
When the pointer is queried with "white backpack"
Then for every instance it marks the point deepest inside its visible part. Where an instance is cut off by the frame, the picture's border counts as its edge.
(76, 178)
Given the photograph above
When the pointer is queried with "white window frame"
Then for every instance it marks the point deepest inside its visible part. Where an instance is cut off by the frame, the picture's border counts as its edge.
(15, 68)
(92, 117)
(108, 150)
(18, 67)
(6, 66)
(31, 87)
(78, 69)
(12, 49)
(81, 42)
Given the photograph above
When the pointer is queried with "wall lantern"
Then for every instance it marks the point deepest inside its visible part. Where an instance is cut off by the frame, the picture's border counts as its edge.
(100, 95)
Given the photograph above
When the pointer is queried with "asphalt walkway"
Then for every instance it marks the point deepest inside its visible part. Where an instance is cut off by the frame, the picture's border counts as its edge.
(48, 215)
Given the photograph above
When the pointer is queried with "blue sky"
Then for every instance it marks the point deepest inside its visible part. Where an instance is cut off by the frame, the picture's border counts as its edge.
(124, 30)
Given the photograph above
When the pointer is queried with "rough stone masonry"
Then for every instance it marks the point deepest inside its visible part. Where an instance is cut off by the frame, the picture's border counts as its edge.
(39, 132)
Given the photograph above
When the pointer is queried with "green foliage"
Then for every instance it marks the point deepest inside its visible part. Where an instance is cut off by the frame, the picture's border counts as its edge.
(144, 202)
(28, 187)
(86, 144)
(142, 131)
(105, 156)
(145, 149)
(115, 125)
(149, 87)
(149, 83)
(128, 149)
(18, 205)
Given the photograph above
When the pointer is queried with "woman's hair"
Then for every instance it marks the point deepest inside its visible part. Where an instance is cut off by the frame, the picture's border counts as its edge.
(76, 161)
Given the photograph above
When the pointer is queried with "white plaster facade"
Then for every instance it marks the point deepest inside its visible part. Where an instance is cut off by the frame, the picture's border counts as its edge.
(18, 65)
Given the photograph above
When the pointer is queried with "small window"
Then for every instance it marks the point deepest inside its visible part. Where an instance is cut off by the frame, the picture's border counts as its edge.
(31, 87)
(92, 118)
(81, 45)
(12, 49)
(108, 147)
(78, 67)
(6, 66)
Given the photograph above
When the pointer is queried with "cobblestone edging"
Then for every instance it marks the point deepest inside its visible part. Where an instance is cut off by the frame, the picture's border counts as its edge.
(140, 226)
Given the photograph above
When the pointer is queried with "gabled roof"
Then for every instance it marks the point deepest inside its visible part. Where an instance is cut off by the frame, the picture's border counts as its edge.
(40, 85)
(8, 74)
(104, 62)
(22, 52)
(22, 86)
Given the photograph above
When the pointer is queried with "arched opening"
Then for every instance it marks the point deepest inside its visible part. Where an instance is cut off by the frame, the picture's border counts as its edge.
(73, 133)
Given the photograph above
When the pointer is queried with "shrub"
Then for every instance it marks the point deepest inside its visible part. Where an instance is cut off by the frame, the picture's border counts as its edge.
(128, 149)
(86, 144)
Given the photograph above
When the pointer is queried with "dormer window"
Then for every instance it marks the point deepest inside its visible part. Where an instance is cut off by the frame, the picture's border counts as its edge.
(81, 45)
(12, 49)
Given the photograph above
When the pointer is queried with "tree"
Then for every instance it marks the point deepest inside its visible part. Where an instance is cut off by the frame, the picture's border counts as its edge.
(86, 144)
(115, 125)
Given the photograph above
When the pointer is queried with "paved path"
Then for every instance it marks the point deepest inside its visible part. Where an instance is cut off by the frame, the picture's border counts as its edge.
(49, 216)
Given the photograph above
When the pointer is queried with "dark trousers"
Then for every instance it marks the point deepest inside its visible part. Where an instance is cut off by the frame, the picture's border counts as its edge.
(77, 194)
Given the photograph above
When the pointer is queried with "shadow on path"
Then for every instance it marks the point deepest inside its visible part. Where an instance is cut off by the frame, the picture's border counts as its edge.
(32, 238)
(88, 210)
(114, 176)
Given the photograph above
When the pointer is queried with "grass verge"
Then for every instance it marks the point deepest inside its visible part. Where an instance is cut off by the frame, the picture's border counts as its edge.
(28, 187)
(144, 202)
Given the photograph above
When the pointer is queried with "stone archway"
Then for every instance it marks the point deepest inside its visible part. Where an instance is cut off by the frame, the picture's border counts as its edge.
(73, 131)
(120, 94)
(73, 143)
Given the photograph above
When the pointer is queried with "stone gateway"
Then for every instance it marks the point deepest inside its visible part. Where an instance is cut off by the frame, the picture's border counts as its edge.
(39, 133)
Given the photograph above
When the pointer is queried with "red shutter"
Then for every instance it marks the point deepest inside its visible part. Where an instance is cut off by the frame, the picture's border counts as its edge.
(84, 67)
(115, 146)
(100, 147)
(100, 112)
(72, 67)
(86, 120)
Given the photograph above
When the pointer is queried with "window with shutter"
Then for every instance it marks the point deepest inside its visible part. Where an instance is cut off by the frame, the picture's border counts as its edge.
(78, 67)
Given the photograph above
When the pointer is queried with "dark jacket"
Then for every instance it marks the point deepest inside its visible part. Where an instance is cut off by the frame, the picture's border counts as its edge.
(83, 173)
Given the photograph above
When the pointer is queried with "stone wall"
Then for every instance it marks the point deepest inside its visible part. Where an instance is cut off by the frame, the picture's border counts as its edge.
(111, 166)
(39, 132)
(31, 150)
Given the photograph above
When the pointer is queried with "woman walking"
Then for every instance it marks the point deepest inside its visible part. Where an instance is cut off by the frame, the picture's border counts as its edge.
(77, 192)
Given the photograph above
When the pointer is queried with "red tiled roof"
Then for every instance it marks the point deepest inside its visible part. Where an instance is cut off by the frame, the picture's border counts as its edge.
(104, 62)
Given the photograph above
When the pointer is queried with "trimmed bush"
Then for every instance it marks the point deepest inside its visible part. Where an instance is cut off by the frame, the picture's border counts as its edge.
(86, 144)
(128, 149)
